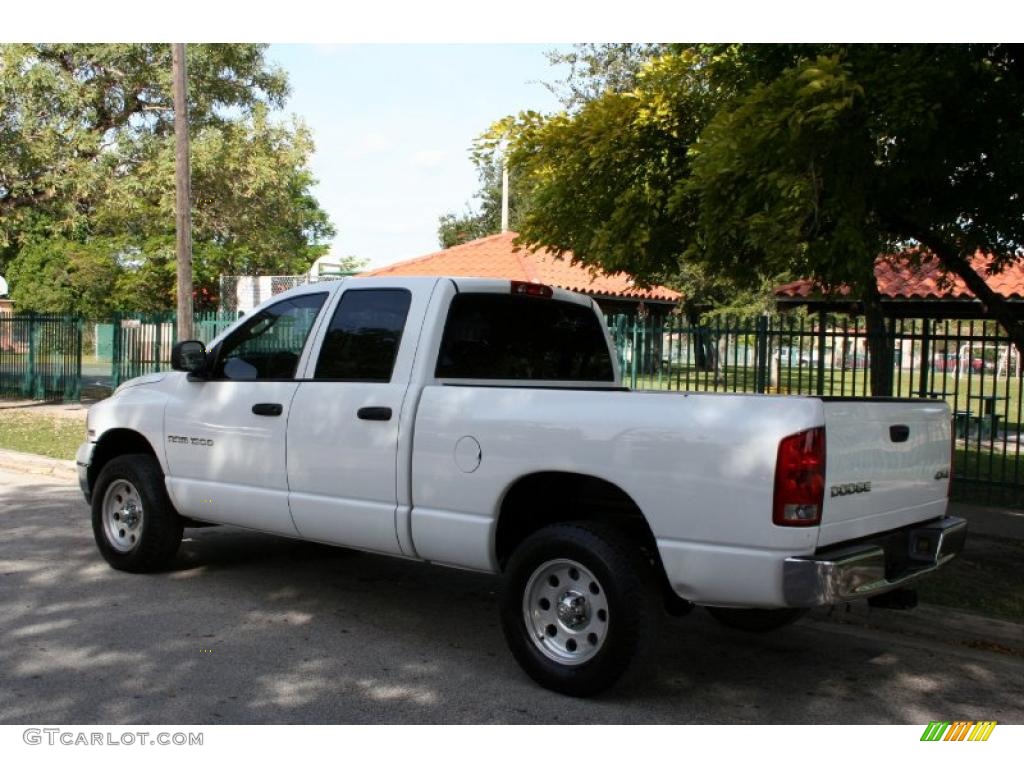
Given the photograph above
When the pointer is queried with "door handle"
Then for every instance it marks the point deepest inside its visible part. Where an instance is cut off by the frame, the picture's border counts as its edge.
(899, 433)
(268, 409)
(374, 413)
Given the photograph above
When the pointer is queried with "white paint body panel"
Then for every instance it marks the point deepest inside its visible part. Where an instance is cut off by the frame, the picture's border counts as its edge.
(904, 488)
(699, 466)
(240, 477)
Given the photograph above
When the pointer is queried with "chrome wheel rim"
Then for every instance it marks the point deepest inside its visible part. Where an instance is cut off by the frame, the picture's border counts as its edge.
(122, 516)
(566, 612)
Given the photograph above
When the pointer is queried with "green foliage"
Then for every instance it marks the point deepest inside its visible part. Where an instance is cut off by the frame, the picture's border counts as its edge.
(778, 181)
(593, 70)
(454, 229)
(603, 178)
(63, 276)
(747, 164)
(87, 156)
(597, 68)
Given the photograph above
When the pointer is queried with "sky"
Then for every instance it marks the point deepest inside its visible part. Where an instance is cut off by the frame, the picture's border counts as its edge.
(393, 125)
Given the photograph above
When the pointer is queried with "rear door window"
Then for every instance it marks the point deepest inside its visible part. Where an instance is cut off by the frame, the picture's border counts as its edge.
(520, 338)
(364, 335)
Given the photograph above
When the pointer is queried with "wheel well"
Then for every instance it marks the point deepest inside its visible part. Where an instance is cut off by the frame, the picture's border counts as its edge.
(544, 498)
(113, 443)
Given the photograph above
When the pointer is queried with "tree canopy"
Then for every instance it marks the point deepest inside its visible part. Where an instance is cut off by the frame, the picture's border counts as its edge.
(87, 173)
(761, 161)
(455, 229)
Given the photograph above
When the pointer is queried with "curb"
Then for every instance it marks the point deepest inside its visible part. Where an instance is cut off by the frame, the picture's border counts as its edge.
(38, 465)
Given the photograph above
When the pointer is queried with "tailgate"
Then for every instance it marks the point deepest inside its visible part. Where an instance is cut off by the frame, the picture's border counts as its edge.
(887, 465)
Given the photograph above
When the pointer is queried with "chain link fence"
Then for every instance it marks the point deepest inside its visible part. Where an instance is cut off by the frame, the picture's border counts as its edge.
(241, 293)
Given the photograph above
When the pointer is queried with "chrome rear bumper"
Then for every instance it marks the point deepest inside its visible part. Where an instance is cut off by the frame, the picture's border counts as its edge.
(872, 567)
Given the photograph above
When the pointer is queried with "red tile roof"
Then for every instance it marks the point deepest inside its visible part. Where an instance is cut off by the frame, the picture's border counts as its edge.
(899, 279)
(498, 256)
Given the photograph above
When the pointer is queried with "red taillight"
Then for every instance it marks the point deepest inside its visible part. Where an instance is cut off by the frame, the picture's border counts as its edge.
(800, 478)
(519, 288)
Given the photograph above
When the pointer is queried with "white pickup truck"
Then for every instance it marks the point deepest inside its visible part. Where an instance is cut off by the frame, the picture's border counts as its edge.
(482, 424)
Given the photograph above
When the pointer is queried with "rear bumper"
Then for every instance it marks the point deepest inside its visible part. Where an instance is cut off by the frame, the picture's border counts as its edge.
(871, 567)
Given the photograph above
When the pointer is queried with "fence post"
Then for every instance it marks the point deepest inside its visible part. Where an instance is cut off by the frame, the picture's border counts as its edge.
(39, 364)
(633, 356)
(761, 354)
(926, 337)
(76, 386)
(28, 383)
(115, 352)
(158, 332)
(821, 353)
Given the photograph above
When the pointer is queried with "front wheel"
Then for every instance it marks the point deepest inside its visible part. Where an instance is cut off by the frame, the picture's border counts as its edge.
(579, 608)
(133, 521)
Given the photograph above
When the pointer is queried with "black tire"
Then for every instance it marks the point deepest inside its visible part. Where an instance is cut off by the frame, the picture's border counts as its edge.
(161, 528)
(626, 584)
(756, 619)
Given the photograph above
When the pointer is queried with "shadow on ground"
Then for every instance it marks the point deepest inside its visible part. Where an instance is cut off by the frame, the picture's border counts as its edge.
(250, 628)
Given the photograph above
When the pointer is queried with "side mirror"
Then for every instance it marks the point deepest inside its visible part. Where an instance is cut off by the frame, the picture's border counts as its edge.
(189, 356)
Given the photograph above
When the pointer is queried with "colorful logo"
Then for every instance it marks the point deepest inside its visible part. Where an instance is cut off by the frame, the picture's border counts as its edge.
(960, 730)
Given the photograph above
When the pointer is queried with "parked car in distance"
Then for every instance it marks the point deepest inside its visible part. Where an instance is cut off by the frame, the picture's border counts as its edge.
(794, 356)
(951, 361)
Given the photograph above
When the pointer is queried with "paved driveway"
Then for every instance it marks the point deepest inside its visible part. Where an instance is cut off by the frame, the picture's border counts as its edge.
(251, 628)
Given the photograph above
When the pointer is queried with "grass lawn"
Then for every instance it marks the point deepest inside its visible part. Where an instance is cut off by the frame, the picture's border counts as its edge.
(54, 436)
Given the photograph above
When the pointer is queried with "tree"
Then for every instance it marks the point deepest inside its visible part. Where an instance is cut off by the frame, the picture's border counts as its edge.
(848, 152)
(86, 155)
(599, 68)
(752, 162)
(64, 276)
(604, 177)
(593, 70)
(455, 229)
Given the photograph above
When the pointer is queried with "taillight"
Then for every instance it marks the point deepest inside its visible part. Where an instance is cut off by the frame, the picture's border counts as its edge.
(800, 478)
(519, 288)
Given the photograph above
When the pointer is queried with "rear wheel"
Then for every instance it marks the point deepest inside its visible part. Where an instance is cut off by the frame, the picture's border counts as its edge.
(579, 608)
(756, 619)
(133, 521)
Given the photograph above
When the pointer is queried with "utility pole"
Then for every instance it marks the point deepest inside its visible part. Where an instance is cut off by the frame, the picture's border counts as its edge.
(183, 192)
(504, 196)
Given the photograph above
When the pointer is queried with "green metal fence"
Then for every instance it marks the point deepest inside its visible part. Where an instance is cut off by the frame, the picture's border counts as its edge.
(142, 343)
(970, 364)
(40, 357)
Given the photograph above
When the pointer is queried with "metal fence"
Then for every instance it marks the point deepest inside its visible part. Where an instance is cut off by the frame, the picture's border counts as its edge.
(970, 364)
(141, 343)
(40, 357)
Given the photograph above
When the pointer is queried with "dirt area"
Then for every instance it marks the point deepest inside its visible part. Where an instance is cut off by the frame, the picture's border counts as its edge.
(987, 578)
(75, 411)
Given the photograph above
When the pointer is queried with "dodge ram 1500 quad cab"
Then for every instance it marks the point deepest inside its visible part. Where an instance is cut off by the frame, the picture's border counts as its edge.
(483, 424)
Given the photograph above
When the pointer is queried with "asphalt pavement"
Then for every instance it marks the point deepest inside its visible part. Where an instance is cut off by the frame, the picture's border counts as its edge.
(249, 628)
